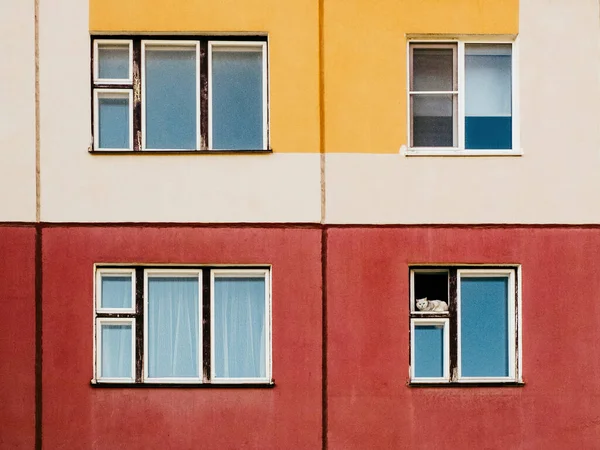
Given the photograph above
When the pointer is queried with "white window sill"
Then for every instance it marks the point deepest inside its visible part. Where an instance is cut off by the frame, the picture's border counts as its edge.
(457, 152)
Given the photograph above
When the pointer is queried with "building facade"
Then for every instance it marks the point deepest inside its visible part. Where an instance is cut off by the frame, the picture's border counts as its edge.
(219, 219)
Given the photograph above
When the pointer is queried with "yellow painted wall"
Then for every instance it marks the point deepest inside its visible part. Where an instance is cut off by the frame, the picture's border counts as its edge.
(365, 61)
(293, 29)
(364, 56)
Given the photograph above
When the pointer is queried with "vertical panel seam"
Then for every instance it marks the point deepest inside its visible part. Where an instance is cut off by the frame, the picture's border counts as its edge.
(36, 14)
(322, 111)
(324, 381)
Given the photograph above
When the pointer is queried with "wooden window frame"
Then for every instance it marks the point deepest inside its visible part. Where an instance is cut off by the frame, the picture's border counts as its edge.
(453, 376)
(138, 316)
(459, 105)
(135, 86)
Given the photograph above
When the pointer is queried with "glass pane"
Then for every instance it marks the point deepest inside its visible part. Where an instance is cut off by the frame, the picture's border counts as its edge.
(433, 69)
(116, 345)
(170, 108)
(429, 350)
(484, 327)
(237, 99)
(173, 332)
(240, 331)
(432, 121)
(488, 97)
(116, 291)
(113, 121)
(113, 61)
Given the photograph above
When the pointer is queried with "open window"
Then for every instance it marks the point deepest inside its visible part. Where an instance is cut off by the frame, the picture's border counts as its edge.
(464, 325)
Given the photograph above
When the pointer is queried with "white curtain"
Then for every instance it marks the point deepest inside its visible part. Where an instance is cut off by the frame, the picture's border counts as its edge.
(116, 358)
(173, 333)
(239, 327)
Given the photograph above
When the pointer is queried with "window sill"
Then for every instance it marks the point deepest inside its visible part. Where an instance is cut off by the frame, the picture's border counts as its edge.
(458, 152)
(260, 385)
(179, 152)
(471, 384)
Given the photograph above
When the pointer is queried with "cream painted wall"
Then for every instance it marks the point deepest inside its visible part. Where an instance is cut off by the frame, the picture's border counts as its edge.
(81, 187)
(17, 111)
(557, 180)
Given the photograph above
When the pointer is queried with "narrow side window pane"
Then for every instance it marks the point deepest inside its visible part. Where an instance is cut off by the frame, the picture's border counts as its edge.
(116, 291)
(432, 120)
(113, 121)
(173, 333)
(116, 344)
(237, 98)
(488, 96)
(484, 327)
(432, 69)
(429, 351)
(240, 331)
(170, 109)
(113, 61)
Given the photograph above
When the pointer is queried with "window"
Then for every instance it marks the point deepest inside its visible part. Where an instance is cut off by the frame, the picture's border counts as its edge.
(182, 325)
(461, 97)
(179, 94)
(464, 325)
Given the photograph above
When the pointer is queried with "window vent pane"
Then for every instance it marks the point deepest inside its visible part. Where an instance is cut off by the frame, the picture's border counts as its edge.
(116, 292)
(113, 61)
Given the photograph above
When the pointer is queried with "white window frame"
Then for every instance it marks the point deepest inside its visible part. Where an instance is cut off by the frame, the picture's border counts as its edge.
(112, 93)
(459, 149)
(98, 292)
(172, 45)
(100, 321)
(241, 273)
(115, 43)
(512, 273)
(172, 273)
(238, 46)
(494, 273)
(445, 323)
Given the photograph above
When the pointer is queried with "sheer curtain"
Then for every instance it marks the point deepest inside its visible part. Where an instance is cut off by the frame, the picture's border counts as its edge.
(173, 334)
(239, 327)
(116, 350)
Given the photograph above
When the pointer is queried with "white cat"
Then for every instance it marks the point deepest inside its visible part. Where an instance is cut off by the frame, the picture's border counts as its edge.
(431, 305)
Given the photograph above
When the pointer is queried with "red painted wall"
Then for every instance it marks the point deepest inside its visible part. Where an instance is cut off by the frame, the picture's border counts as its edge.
(369, 404)
(17, 337)
(76, 415)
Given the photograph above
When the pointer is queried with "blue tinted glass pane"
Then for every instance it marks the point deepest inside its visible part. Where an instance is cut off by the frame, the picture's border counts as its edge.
(116, 292)
(170, 98)
(173, 333)
(484, 327)
(429, 351)
(237, 99)
(240, 331)
(113, 122)
(113, 61)
(116, 358)
(488, 96)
